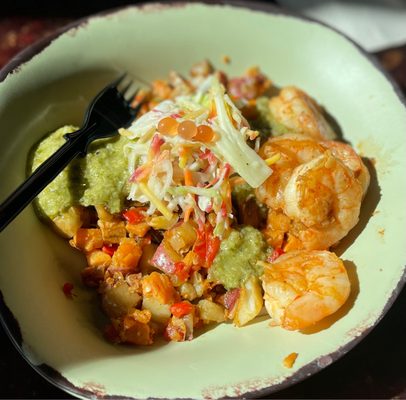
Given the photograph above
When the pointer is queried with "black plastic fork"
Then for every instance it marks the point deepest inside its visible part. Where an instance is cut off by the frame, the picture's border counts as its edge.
(107, 112)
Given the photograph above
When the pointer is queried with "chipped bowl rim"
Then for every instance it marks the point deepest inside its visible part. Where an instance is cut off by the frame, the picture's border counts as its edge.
(7, 319)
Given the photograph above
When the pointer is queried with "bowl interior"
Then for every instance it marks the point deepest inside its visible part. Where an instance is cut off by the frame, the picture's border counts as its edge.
(53, 88)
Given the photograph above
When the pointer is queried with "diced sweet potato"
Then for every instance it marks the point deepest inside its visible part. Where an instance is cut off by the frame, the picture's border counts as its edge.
(158, 286)
(138, 230)
(87, 239)
(112, 231)
(127, 256)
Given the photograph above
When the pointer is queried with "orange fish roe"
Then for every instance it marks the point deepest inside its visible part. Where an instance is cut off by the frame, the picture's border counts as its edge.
(187, 130)
(168, 126)
(204, 134)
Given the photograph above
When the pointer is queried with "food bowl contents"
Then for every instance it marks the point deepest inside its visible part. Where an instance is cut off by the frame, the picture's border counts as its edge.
(225, 192)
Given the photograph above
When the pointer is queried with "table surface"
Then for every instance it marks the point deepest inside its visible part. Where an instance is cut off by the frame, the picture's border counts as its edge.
(373, 369)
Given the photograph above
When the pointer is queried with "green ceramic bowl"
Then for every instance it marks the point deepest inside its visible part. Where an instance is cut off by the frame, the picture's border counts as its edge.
(50, 84)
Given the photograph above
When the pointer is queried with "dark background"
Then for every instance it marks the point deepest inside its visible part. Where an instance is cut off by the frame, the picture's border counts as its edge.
(375, 368)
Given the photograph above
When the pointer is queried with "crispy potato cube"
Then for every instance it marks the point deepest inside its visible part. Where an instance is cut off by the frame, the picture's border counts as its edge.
(160, 312)
(144, 264)
(104, 215)
(175, 331)
(138, 230)
(127, 256)
(158, 286)
(119, 299)
(249, 303)
(210, 311)
(87, 239)
(93, 276)
(133, 331)
(68, 222)
(98, 258)
(112, 231)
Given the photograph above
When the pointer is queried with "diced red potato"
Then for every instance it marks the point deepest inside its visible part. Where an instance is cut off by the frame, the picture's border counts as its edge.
(231, 298)
(160, 313)
(250, 86)
(249, 302)
(145, 266)
(199, 283)
(187, 291)
(175, 330)
(119, 299)
(133, 329)
(210, 311)
(98, 261)
(125, 259)
(104, 215)
(165, 258)
(112, 231)
(98, 258)
(181, 237)
(87, 240)
(93, 276)
(68, 222)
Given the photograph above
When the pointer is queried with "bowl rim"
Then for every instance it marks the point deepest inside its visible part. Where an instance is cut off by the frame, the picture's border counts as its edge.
(10, 323)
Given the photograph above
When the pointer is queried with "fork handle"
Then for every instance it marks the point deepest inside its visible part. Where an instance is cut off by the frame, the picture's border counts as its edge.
(76, 143)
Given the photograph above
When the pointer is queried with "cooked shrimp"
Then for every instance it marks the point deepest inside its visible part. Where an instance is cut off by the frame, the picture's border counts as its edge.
(351, 159)
(303, 287)
(294, 150)
(312, 204)
(325, 198)
(293, 111)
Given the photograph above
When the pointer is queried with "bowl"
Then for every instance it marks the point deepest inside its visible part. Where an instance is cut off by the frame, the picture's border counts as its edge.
(50, 84)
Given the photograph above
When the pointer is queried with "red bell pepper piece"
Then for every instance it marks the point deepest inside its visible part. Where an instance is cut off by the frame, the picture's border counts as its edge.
(109, 249)
(133, 216)
(67, 290)
(207, 245)
(182, 308)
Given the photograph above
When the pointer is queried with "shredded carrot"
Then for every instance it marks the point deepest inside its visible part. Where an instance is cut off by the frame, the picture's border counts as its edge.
(188, 177)
(183, 155)
(188, 213)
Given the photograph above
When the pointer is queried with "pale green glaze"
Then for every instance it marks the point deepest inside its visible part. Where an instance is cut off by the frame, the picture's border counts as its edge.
(53, 88)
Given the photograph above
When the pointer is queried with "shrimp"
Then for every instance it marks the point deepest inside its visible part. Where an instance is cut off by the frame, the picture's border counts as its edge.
(312, 204)
(325, 198)
(295, 112)
(294, 150)
(351, 159)
(303, 287)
